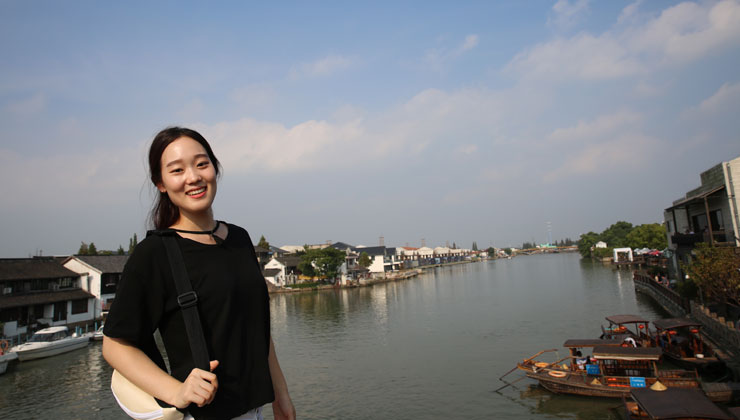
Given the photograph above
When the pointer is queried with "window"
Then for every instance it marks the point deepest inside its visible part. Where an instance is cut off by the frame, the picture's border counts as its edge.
(60, 311)
(66, 283)
(716, 218)
(699, 222)
(79, 306)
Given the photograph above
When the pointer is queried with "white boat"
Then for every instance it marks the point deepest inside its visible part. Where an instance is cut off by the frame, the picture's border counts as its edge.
(97, 335)
(49, 342)
(6, 358)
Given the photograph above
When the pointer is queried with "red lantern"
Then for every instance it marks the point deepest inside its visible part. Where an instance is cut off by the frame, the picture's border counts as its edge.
(695, 330)
(642, 326)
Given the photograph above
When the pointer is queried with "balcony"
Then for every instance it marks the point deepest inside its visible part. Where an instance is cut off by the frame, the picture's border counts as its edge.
(691, 239)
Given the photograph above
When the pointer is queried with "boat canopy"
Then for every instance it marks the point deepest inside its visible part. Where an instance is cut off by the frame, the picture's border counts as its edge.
(677, 403)
(669, 323)
(626, 319)
(590, 342)
(627, 353)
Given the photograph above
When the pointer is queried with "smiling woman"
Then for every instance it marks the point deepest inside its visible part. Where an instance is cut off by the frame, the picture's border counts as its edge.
(230, 294)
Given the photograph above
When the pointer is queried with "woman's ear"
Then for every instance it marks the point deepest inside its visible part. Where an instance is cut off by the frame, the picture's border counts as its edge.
(161, 187)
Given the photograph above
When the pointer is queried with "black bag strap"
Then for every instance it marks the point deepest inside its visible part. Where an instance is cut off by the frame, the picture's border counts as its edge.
(188, 301)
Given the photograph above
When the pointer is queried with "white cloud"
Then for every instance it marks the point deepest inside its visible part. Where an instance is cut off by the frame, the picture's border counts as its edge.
(29, 106)
(601, 127)
(467, 149)
(625, 153)
(471, 41)
(437, 58)
(322, 67)
(727, 97)
(682, 33)
(629, 12)
(566, 14)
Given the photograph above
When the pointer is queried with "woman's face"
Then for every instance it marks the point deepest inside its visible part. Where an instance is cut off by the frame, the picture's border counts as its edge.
(188, 176)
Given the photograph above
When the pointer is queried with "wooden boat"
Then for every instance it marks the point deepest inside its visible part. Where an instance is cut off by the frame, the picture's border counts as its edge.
(684, 344)
(612, 371)
(672, 403)
(622, 327)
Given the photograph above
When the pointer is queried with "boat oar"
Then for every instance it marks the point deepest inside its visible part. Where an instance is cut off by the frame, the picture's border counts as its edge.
(502, 376)
(510, 383)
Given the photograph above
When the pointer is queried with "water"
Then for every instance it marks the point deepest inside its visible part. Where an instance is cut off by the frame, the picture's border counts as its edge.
(432, 347)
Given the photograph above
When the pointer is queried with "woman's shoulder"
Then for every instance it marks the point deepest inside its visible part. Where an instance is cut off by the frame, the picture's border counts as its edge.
(150, 248)
(237, 231)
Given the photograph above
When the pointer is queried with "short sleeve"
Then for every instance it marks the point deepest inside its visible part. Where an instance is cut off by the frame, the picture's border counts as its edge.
(139, 302)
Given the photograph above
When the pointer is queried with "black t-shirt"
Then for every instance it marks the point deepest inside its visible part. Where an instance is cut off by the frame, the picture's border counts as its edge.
(234, 309)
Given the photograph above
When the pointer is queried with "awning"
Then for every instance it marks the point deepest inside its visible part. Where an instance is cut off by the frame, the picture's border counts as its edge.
(702, 196)
(677, 403)
(628, 353)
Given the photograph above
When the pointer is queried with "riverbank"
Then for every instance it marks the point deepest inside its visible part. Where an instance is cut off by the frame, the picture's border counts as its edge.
(389, 277)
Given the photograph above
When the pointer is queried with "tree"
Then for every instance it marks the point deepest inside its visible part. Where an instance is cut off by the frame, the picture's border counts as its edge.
(716, 271)
(507, 251)
(587, 241)
(322, 262)
(616, 235)
(83, 249)
(491, 251)
(454, 245)
(263, 243)
(91, 250)
(475, 246)
(120, 250)
(364, 260)
(132, 244)
(651, 236)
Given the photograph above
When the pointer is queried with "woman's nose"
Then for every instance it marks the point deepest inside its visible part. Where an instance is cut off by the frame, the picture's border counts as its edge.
(192, 176)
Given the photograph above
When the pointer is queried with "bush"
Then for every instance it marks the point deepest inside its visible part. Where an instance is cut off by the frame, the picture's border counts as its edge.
(603, 252)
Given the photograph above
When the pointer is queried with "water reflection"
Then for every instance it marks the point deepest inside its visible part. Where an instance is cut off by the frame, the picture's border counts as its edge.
(431, 347)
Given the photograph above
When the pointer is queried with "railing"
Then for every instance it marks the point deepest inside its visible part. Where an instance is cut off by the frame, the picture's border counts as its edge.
(673, 297)
(691, 239)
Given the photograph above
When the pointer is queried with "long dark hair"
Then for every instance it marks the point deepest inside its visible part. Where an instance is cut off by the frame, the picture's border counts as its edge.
(164, 213)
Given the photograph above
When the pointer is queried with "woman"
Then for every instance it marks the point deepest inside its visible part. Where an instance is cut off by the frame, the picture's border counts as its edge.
(232, 298)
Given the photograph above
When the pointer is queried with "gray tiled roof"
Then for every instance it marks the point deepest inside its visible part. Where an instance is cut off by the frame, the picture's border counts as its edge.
(30, 299)
(271, 272)
(105, 263)
(33, 268)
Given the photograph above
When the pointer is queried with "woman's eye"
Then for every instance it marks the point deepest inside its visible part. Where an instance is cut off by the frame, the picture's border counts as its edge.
(203, 164)
(176, 170)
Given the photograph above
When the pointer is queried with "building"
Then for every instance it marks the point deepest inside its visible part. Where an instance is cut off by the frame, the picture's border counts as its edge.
(100, 275)
(39, 292)
(288, 270)
(708, 213)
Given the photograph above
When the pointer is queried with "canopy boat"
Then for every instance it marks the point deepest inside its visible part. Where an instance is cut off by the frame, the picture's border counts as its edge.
(683, 343)
(532, 364)
(49, 342)
(98, 334)
(622, 327)
(672, 403)
(611, 371)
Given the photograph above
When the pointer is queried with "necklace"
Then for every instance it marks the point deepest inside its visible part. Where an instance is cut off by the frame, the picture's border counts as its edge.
(203, 232)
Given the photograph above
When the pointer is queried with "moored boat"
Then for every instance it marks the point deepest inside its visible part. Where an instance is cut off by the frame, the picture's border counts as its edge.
(672, 403)
(49, 342)
(6, 358)
(623, 327)
(684, 344)
(612, 371)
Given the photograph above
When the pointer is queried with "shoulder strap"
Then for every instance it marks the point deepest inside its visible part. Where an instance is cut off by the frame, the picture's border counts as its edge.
(188, 301)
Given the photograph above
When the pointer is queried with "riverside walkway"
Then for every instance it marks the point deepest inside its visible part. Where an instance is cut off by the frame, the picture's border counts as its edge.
(722, 332)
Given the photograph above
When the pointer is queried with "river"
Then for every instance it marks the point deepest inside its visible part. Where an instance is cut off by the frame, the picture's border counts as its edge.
(431, 347)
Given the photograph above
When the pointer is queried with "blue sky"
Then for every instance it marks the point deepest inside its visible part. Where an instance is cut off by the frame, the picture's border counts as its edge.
(340, 121)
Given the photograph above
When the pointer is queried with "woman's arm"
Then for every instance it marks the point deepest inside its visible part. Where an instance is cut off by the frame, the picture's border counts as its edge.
(282, 407)
(199, 387)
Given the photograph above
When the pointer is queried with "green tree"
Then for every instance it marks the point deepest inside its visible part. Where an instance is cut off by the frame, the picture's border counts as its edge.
(120, 250)
(91, 250)
(615, 235)
(587, 241)
(364, 260)
(322, 262)
(491, 252)
(132, 244)
(263, 243)
(716, 271)
(84, 249)
(475, 246)
(507, 251)
(651, 236)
